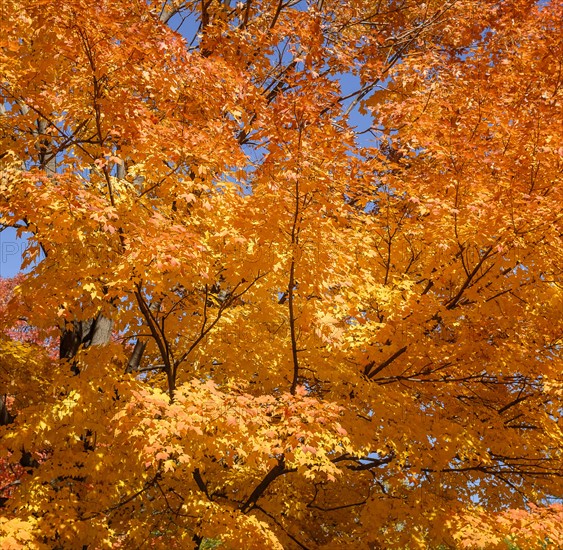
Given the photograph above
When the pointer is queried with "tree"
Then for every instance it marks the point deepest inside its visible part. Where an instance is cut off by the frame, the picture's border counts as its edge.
(277, 329)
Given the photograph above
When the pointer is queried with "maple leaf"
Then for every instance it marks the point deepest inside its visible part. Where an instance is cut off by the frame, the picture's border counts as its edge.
(292, 275)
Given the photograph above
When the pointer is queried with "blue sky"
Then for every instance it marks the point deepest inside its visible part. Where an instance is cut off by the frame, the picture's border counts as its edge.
(11, 252)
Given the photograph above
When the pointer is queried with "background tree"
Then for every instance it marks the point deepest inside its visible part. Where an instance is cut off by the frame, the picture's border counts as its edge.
(323, 336)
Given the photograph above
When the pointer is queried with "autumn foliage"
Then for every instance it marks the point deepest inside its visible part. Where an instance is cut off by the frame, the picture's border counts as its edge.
(293, 276)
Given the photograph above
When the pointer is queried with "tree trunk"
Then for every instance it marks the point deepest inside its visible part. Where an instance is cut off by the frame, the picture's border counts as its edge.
(92, 332)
